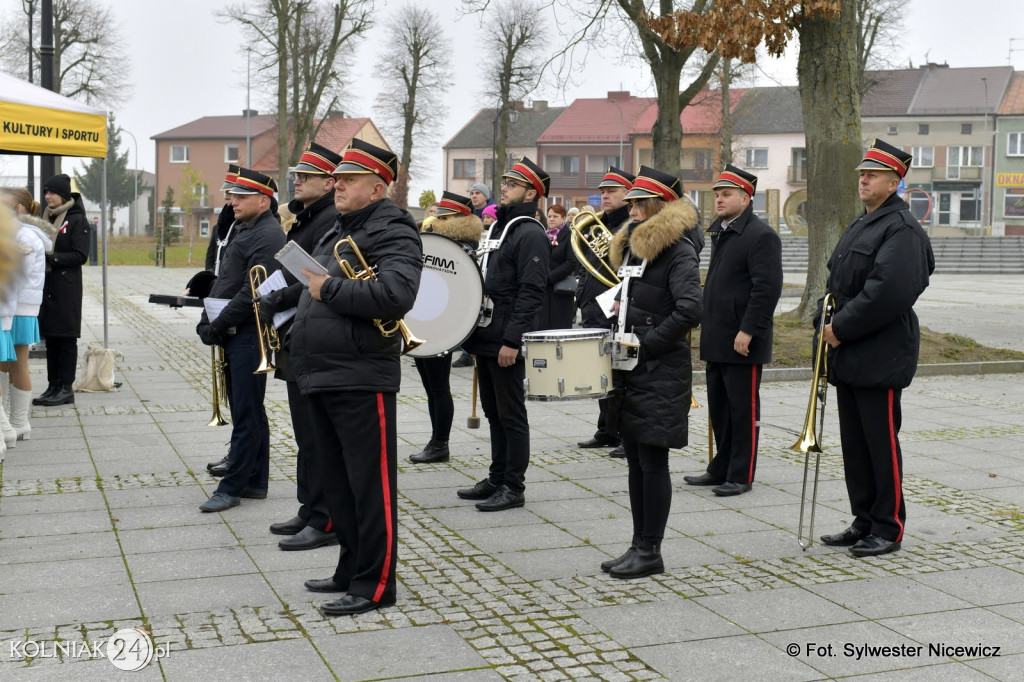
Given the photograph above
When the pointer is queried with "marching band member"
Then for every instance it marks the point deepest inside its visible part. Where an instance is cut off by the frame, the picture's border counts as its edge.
(350, 372)
(515, 277)
(660, 302)
(742, 287)
(454, 218)
(877, 271)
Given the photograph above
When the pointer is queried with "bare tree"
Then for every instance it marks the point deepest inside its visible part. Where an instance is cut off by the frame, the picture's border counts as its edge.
(879, 26)
(410, 104)
(301, 46)
(90, 62)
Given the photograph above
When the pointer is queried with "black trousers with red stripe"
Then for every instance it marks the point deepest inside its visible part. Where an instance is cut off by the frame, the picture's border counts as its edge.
(734, 403)
(355, 462)
(312, 503)
(869, 426)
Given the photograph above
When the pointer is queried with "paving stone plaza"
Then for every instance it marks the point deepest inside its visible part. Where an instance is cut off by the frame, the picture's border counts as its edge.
(100, 531)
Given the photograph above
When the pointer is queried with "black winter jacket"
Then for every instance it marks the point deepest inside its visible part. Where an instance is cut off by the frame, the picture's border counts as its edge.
(335, 346)
(741, 291)
(878, 269)
(559, 307)
(60, 313)
(589, 288)
(664, 305)
(219, 231)
(515, 281)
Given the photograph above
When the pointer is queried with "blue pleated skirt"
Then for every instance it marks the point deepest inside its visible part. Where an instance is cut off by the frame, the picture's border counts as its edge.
(25, 330)
(7, 353)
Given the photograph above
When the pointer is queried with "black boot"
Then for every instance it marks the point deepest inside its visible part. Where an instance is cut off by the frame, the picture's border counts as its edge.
(645, 561)
(607, 566)
(46, 395)
(62, 396)
(436, 451)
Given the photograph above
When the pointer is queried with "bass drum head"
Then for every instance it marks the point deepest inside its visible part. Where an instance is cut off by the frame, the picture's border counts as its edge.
(448, 302)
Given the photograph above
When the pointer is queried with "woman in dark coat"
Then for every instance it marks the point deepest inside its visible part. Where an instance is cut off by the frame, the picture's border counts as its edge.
(559, 304)
(60, 315)
(663, 303)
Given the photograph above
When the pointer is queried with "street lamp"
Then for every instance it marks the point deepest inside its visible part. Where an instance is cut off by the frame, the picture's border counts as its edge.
(133, 217)
(621, 126)
(30, 9)
(985, 204)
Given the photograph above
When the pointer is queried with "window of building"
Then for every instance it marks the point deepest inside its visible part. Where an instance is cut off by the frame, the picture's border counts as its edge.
(922, 128)
(760, 203)
(566, 165)
(231, 153)
(894, 129)
(798, 164)
(488, 170)
(924, 157)
(1015, 144)
(965, 156)
(970, 207)
(204, 227)
(599, 164)
(202, 195)
(179, 153)
(757, 157)
(465, 169)
(965, 128)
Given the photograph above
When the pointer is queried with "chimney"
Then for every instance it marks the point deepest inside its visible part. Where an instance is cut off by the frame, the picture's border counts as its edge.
(619, 95)
(540, 105)
(335, 113)
(251, 112)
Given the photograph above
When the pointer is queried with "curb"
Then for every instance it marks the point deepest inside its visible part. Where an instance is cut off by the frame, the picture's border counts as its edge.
(934, 370)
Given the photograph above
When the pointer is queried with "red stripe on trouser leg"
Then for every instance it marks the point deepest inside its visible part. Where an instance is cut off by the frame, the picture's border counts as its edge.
(897, 484)
(753, 422)
(386, 491)
(329, 527)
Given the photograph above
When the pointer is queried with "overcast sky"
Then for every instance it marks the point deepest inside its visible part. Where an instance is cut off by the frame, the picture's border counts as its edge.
(187, 64)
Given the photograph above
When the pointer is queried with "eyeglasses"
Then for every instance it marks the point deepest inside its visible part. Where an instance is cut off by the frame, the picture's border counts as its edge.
(512, 184)
(299, 178)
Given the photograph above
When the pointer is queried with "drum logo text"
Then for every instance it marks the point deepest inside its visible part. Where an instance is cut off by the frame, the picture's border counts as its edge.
(438, 263)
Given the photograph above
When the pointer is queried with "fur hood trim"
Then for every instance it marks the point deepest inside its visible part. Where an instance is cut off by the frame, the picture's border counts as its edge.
(657, 233)
(48, 229)
(460, 228)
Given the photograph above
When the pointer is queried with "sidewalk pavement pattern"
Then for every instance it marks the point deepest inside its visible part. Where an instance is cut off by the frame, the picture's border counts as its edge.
(100, 530)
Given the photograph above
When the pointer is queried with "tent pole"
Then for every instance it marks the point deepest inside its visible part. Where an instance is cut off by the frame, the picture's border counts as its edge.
(103, 227)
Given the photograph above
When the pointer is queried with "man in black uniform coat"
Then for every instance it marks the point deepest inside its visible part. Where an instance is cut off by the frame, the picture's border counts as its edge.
(614, 214)
(313, 208)
(741, 291)
(350, 372)
(878, 269)
(256, 237)
(514, 280)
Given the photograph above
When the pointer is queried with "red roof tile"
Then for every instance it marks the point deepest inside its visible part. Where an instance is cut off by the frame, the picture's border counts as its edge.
(703, 116)
(335, 134)
(1013, 100)
(596, 120)
(219, 127)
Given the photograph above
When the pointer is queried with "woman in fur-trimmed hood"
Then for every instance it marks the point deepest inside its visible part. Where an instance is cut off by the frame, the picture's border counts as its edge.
(650, 404)
(454, 219)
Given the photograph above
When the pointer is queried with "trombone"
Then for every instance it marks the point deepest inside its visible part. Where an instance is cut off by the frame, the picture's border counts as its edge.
(814, 421)
(387, 329)
(220, 385)
(269, 340)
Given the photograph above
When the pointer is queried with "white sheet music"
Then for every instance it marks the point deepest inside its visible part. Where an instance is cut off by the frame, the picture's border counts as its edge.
(273, 283)
(607, 298)
(294, 259)
(214, 306)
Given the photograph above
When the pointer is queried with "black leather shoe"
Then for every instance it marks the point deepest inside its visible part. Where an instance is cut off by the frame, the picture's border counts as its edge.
(872, 545)
(464, 360)
(612, 563)
(481, 491)
(324, 585)
(289, 527)
(618, 452)
(598, 442)
(308, 538)
(850, 536)
(45, 395)
(646, 560)
(502, 499)
(63, 395)
(352, 604)
(223, 461)
(436, 451)
(703, 479)
(219, 470)
(728, 489)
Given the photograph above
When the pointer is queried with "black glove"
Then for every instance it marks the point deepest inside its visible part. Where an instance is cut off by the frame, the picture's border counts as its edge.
(270, 304)
(208, 335)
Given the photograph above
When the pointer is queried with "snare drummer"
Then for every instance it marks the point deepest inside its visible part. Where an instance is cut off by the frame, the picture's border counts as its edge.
(662, 304)
(454, 218)
(514, 282)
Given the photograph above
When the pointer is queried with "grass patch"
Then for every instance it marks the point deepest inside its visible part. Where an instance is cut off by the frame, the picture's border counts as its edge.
(140, 251)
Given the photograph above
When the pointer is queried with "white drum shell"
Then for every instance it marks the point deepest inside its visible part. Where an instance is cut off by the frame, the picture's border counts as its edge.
(567, 364)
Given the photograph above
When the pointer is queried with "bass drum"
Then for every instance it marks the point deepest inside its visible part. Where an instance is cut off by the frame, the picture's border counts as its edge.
(449, 299)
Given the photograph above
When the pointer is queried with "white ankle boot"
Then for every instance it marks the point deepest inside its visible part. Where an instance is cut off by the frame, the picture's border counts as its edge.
(10, 435)
(21, 407)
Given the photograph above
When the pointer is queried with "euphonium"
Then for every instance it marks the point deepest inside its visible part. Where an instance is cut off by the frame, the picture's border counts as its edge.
(367, 273)
(588, 230)
(267, 335)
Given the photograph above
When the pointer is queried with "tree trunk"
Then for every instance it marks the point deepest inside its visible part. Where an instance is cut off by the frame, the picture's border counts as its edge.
(725, 152)
(667, 133)
(282, 13)
(830, 99)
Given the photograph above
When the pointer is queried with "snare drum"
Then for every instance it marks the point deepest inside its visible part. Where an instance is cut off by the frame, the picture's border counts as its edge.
(448, 302)
(567, 364)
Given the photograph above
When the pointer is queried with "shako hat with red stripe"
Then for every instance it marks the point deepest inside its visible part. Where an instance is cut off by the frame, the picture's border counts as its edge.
(616, 177)
(737, 177)
(453, 204)
(883, 156)
(229, 178)
(251, 181)
(363, 157)
(532, 174)
(652, 183)
(317, 160)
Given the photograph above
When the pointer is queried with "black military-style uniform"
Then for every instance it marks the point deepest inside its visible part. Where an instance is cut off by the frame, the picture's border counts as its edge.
(741, 290)
(877, 271)
(350, 373)
(515, 281)
(559, 306)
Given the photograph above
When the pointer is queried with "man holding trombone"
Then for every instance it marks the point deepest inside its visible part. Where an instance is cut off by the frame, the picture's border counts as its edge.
(256, 236)
(876, 273)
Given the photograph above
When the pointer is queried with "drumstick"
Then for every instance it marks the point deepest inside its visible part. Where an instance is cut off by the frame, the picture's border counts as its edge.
(473, 421)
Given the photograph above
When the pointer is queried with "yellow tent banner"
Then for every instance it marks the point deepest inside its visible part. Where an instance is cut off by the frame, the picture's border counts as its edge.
(36, 121)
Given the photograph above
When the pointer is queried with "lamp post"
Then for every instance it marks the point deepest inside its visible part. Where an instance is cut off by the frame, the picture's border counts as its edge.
(30, 9)
(985, 204)
(621, 126)
(133, 217)
(248, 114)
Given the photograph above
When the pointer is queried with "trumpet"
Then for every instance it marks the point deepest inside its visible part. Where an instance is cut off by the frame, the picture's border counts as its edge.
(220, 385)
(589, 232)
(269, 340)
(814, 421)
(387, 329)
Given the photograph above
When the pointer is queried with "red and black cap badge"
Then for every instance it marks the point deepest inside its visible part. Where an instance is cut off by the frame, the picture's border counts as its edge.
(616, 177)
(363, 157)
(737, 177)
(883, 156)
(229, 178)
(652, 183)
(250, 181)
(532, 174)
(453, 204)
(317, 160)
